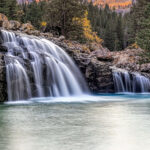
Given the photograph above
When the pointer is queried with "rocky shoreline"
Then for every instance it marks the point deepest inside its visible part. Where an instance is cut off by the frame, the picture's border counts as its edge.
(95, 62)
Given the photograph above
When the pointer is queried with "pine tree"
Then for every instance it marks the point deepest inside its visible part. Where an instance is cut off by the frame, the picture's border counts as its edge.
(4, 7)
(34, 12)
(143, 34)
(9, 8)
(109, 26)
(119, 32)
(61, 13)
(110, 38)
(135, 19)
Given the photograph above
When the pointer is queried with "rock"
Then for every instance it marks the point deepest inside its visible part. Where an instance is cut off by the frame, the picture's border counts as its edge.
(3, 83)
(33, 32)
(145, 68)
(103, 55)
(99, 77)
(3, 48)
(6, 25)
(3, 19)
(61, 38)
(95, 46)
(46, 35)
(14, 25)
(27, 27)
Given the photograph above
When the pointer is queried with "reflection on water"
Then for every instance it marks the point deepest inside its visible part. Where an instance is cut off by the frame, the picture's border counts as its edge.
(105, 125)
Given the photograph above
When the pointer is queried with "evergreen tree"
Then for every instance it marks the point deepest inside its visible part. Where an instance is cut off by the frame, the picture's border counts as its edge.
(120, 34)
(60, 14)
(135, 19)
(34, 12)
(143, 34)
(109, 26)
(109, 38)
(9, 8)
(4, 7)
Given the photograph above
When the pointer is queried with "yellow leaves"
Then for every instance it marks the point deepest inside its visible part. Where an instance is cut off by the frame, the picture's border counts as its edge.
(43, 24)
(134, 45)
(87, 29)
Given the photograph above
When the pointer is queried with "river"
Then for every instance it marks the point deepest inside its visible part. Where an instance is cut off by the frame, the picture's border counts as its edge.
(102, 122)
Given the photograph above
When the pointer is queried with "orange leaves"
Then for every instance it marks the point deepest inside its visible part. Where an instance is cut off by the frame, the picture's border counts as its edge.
(113, 3)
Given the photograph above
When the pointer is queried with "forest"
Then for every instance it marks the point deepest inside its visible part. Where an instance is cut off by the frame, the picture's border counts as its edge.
(84, 22)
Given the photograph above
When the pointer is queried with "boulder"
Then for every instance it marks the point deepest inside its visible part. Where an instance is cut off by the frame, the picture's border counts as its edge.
(61, 38)
(14, 25)
(145, 68)
(27, 27)
(3, 18)
(46, 35)
(6, 25)
(95, 46)
(103, 55)
(3, 48)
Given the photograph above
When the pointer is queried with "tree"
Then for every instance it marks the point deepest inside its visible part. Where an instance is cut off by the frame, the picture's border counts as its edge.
(88, 34)
(108, 25)
(143, 34)
(135, 20)
(60, 14)
(34, 12)
(9, 8)
(120, 34)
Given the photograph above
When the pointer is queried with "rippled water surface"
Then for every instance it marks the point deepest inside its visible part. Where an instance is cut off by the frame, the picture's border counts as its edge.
(112, 122)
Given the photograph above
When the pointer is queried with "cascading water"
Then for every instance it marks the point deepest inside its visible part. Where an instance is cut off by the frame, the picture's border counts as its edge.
(126, 82)
(38, 68)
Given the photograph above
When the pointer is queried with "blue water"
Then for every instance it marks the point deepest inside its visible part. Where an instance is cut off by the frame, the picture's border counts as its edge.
(101, 122)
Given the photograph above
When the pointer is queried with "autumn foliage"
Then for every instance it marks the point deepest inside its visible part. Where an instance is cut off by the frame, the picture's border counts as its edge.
(89, 35)
(117, 4)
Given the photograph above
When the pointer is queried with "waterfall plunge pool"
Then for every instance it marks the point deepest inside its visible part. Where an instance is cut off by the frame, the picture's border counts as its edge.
(102, 122)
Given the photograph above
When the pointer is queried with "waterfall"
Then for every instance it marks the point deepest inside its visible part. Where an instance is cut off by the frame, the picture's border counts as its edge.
(127, 82)
(36, 67)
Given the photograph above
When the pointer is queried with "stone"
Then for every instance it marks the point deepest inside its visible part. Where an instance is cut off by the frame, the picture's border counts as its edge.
(145, 68)
(61, 38)
(27, 27)
(14, 25)
(46, 35)
(95, 46)
(3, 48)
(3, 19)
(6, 25)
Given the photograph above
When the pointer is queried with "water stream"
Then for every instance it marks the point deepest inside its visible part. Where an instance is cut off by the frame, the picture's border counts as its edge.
(127, 82)
(37, 67)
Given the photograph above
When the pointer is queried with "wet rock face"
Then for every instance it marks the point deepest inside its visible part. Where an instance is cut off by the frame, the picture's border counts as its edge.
(99, 76)
(3, 83)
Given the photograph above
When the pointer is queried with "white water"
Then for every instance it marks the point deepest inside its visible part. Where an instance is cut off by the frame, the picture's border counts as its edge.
(125, 82)
(38, 68)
